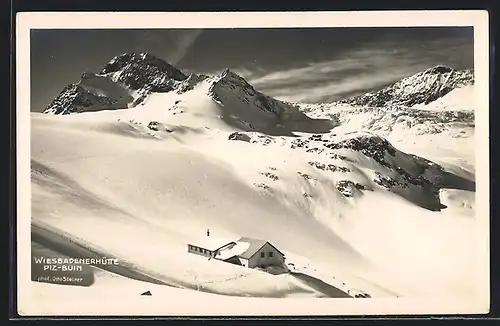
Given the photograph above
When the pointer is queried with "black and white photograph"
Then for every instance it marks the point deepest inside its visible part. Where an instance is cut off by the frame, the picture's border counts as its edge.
(331, 163)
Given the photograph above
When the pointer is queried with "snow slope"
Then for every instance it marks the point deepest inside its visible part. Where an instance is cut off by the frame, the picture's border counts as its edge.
(164, 199)
(321, 183)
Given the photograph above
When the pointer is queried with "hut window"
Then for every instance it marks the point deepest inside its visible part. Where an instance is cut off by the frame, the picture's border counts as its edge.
(262, 254)
(270, 254)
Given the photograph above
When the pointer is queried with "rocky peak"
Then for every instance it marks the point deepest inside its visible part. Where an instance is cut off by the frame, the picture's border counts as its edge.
(440, 69)
(75, 98)
(143, 70)
(230, 80)
(230, 76)
(144, 59)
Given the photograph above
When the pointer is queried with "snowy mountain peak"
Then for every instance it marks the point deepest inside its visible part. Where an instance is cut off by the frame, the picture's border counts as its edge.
(423, 87)
(231, 85)
(230, 80)
(76, 98)
(143, 59)
(122, 83)
(230, 76)
(143, 70)
(439, 69)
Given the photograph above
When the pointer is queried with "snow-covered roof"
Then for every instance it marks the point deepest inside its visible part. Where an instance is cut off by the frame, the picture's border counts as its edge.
(236, 250)
(254, 246)
(210, 242)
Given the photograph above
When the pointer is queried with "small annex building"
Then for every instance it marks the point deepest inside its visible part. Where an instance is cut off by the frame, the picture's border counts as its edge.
(209, 246)
(248, 252)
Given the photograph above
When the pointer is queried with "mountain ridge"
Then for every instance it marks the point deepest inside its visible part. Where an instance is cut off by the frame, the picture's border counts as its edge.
(139, 74)
(421, 88)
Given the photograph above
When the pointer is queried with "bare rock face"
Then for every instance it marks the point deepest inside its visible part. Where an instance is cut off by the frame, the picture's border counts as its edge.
(328, 167)
(154, 125)
(270, 175)
(348, 187)
(239, 136)
(370, 145)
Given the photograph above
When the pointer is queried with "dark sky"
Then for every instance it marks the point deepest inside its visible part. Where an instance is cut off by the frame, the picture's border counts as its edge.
(309, 65)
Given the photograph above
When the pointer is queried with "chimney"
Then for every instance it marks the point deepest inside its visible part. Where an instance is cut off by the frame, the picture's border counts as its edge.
(208, 232)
